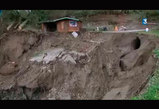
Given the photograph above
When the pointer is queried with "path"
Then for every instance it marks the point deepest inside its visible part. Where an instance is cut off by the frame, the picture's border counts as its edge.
(127, 31)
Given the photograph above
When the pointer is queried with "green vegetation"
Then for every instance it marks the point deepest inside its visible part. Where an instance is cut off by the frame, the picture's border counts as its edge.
(152, 15)
(38, 15)
(35, 16)
(152, 91)
(152, 32)
(19, 16)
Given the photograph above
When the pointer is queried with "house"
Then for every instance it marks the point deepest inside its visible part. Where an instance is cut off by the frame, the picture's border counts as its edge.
(65, 24)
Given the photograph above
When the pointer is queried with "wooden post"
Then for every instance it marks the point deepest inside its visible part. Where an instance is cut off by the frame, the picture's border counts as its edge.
(22, 25)
(8, 28)
(43, 28)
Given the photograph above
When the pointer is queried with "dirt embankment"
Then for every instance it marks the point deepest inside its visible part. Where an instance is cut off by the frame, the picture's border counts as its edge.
(58, 66)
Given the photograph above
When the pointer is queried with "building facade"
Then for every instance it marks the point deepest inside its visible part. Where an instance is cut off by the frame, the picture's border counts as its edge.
(65, 24)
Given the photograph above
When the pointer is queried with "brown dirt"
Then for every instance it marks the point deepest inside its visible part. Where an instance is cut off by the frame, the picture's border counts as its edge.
(92, 66)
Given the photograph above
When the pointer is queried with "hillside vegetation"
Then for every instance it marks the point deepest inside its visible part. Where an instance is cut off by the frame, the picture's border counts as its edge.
(34, 16)
(95, 65)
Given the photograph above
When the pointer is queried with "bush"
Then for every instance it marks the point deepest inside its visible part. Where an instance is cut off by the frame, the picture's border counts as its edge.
(152, 92)
(150, 14)
(38, 15)
(33, 17)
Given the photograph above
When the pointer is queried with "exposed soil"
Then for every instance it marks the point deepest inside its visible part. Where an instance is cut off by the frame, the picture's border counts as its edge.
(58, 66)
(91, 66)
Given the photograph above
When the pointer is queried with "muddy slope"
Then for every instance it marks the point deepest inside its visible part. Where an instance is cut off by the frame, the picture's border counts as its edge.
(58, 66)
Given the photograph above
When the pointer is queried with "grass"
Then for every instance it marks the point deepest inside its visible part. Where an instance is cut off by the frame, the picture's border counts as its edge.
(152, 91)
(151, 32)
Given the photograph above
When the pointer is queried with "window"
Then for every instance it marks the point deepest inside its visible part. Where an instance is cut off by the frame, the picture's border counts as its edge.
(73, 23)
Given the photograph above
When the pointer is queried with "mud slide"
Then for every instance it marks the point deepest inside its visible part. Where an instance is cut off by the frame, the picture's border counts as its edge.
(58, 66)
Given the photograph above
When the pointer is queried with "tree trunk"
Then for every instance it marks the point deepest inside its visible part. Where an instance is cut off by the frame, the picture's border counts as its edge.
(22, 25)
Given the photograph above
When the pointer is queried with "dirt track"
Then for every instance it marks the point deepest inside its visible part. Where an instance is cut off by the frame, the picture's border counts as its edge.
(92, 66)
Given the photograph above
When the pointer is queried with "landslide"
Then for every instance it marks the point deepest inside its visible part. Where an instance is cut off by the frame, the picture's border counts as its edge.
(59, 66)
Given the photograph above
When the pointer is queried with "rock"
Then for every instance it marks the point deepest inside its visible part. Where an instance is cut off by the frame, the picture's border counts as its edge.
(8, 69)
(1, 59)
(96, 75)
(137, 57)
(117, 93)
(128, 44)
(32, 40)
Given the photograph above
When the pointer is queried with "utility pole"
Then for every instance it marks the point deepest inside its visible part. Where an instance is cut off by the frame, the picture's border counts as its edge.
(0, 15)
